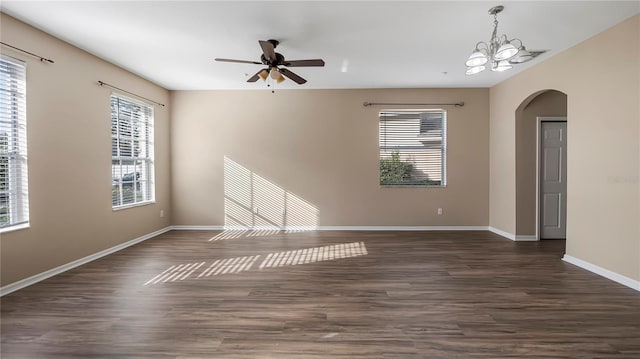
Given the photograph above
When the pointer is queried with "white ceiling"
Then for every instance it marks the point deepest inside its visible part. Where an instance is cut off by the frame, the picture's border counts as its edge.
(365, 44)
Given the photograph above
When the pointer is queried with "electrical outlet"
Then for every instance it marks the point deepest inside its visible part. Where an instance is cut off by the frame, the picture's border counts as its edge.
(439, 211)
(255, 210)
(162, 213)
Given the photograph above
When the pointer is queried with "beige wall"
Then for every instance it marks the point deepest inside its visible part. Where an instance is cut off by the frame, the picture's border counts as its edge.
(321, 147)
(603, 155)
(68, 117)
(547, 104)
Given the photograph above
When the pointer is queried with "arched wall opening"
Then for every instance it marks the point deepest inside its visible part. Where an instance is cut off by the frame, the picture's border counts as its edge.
(544, 103)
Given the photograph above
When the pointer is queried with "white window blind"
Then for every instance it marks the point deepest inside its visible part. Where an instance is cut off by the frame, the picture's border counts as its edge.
(14, 194)
(413, 148)
(132, 168)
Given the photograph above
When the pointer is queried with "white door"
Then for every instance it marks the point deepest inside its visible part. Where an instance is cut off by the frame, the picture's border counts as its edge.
(553, 179)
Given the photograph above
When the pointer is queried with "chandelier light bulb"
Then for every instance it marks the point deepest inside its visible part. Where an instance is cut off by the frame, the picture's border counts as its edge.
(505, 52)
(522, 56)
(501, 66)
(477, 58)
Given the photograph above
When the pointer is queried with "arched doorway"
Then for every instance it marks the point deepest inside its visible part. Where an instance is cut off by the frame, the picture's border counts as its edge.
(546, 104)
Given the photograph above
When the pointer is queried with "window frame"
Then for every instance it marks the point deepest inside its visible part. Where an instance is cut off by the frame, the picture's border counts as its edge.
(17, 174)
(146, 179)
(420, 125)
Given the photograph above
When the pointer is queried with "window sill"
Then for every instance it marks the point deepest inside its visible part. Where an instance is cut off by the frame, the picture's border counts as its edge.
(17, 227)
(127, 206)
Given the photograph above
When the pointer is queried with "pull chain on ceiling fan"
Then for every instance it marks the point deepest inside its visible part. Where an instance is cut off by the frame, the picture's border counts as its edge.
(273, 61)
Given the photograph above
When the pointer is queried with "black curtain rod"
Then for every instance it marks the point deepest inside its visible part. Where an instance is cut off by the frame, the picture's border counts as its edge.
(43, 59)
(130, 93)
(458, 104)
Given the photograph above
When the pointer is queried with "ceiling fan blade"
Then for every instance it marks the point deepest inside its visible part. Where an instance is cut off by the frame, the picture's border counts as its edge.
(268, 49)
(301, 63)
(297, 79)
(239, 61)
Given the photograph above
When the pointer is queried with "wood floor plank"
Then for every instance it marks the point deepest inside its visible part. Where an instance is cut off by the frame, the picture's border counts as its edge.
(337, 294)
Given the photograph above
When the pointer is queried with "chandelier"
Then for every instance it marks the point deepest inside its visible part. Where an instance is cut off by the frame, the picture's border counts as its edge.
(500, 53)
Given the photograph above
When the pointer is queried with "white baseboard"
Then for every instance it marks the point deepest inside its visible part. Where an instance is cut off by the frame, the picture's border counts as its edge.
(10, 288)
(196, 228)
(626, 281)
(269, 228)
(333, 228)
(502, 233)
(513, 237)
(528, 238)
(402, 228)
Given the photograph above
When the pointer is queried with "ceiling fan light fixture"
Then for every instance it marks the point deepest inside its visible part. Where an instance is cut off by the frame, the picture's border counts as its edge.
(264, 74)
(272, 60)
(274, 73)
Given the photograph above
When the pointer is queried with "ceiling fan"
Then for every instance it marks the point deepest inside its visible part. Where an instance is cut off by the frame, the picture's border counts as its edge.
(273, 60)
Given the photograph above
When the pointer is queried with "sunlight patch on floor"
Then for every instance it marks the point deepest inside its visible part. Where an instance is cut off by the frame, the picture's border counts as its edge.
(175, 272)
(310, 255)
(233, 265)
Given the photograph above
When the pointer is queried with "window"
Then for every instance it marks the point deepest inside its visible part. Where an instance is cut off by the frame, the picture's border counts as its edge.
(132, 169)
(413, 148)
(14, 195)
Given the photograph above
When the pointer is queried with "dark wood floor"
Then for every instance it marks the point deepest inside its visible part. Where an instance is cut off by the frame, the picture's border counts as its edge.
(192, 294)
